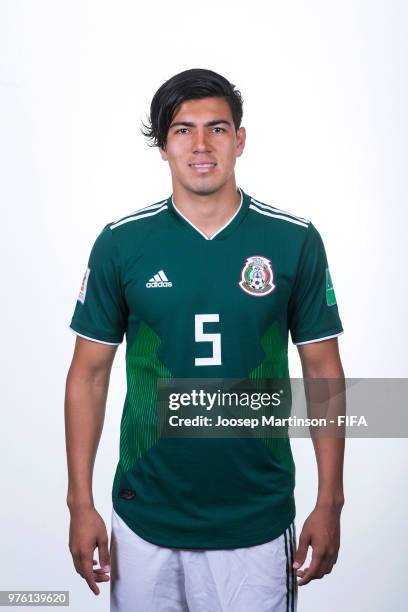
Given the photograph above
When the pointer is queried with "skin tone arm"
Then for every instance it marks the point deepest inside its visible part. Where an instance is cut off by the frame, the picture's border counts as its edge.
(85, 401)
(321, 529)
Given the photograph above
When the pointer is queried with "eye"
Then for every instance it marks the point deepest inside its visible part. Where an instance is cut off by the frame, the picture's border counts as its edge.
(181, 130)
(220, 128)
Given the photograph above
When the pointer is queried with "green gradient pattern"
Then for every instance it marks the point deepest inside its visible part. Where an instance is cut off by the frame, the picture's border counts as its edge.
(138, 431)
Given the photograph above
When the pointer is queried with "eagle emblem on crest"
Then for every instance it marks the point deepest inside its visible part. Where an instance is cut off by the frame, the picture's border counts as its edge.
(257, 276)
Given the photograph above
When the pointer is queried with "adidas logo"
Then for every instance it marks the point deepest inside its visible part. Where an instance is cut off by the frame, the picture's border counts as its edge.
(159, 280)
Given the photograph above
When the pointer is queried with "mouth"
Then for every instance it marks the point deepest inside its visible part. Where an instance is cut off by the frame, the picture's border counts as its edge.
(203, 165)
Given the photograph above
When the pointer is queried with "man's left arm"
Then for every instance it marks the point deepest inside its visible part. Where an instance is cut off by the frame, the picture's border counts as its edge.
(321, 530)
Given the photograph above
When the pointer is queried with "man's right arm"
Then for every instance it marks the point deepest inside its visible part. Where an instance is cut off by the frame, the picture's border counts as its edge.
(85, 402)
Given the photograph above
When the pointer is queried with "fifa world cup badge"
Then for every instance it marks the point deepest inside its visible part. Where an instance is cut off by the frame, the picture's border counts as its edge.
(257, 276)
(82, 291)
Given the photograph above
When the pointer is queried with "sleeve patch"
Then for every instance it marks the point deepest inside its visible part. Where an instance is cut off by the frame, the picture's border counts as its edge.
(82, 291)
(330, 295)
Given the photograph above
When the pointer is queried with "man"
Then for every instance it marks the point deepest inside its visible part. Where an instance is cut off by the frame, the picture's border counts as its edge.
(206, 284)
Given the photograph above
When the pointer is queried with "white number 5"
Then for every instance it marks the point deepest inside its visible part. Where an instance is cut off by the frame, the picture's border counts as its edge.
(201, 336)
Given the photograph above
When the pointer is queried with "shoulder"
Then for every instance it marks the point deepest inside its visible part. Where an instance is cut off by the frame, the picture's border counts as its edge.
(151, 211)
(289, 230)
(277, 215)
(130, 229)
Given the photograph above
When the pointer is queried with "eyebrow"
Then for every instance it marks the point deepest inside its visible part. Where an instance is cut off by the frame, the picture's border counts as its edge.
(208, 124)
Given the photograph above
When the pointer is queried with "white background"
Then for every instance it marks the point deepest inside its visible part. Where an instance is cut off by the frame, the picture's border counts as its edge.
(325, 98)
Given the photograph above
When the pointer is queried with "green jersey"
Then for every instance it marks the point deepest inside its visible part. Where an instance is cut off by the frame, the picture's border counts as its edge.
(199, 307)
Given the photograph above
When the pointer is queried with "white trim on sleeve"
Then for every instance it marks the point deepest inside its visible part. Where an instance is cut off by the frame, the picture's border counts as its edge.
(93, 339)
(319, 339)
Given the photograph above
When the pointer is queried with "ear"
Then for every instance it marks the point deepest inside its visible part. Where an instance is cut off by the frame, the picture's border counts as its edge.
(163, 154)
(241, 137)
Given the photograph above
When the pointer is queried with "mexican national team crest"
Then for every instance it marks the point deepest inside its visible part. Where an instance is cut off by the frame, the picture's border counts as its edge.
(257, 276)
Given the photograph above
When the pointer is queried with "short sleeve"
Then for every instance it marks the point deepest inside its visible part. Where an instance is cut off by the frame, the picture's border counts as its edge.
(100, 313)
(313, 312)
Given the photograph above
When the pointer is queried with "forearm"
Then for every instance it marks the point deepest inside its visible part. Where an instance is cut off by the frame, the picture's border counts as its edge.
(85, 401)
(330, 458)
(328, 443)
(325, 388)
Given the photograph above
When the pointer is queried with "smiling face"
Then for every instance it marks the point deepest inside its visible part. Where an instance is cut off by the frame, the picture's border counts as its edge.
(202, 146)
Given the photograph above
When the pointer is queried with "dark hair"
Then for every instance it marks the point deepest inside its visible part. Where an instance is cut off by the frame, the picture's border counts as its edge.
(192, 84)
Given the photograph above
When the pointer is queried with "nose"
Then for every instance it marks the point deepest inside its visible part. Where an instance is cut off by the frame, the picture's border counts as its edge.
(200, 143)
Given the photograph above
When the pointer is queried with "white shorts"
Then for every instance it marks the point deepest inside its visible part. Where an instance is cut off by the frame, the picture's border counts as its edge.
(150, 578)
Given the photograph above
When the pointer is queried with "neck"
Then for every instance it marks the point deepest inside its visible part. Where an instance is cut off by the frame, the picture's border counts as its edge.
(208, 212)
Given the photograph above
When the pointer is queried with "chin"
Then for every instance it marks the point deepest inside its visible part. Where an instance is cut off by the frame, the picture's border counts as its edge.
(205, 187)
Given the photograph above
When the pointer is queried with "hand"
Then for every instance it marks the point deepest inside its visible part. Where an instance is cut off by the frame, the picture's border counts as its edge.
(321, 531)
(88, 531)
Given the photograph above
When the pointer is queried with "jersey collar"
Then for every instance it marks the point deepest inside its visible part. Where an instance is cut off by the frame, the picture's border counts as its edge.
(223, 231)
